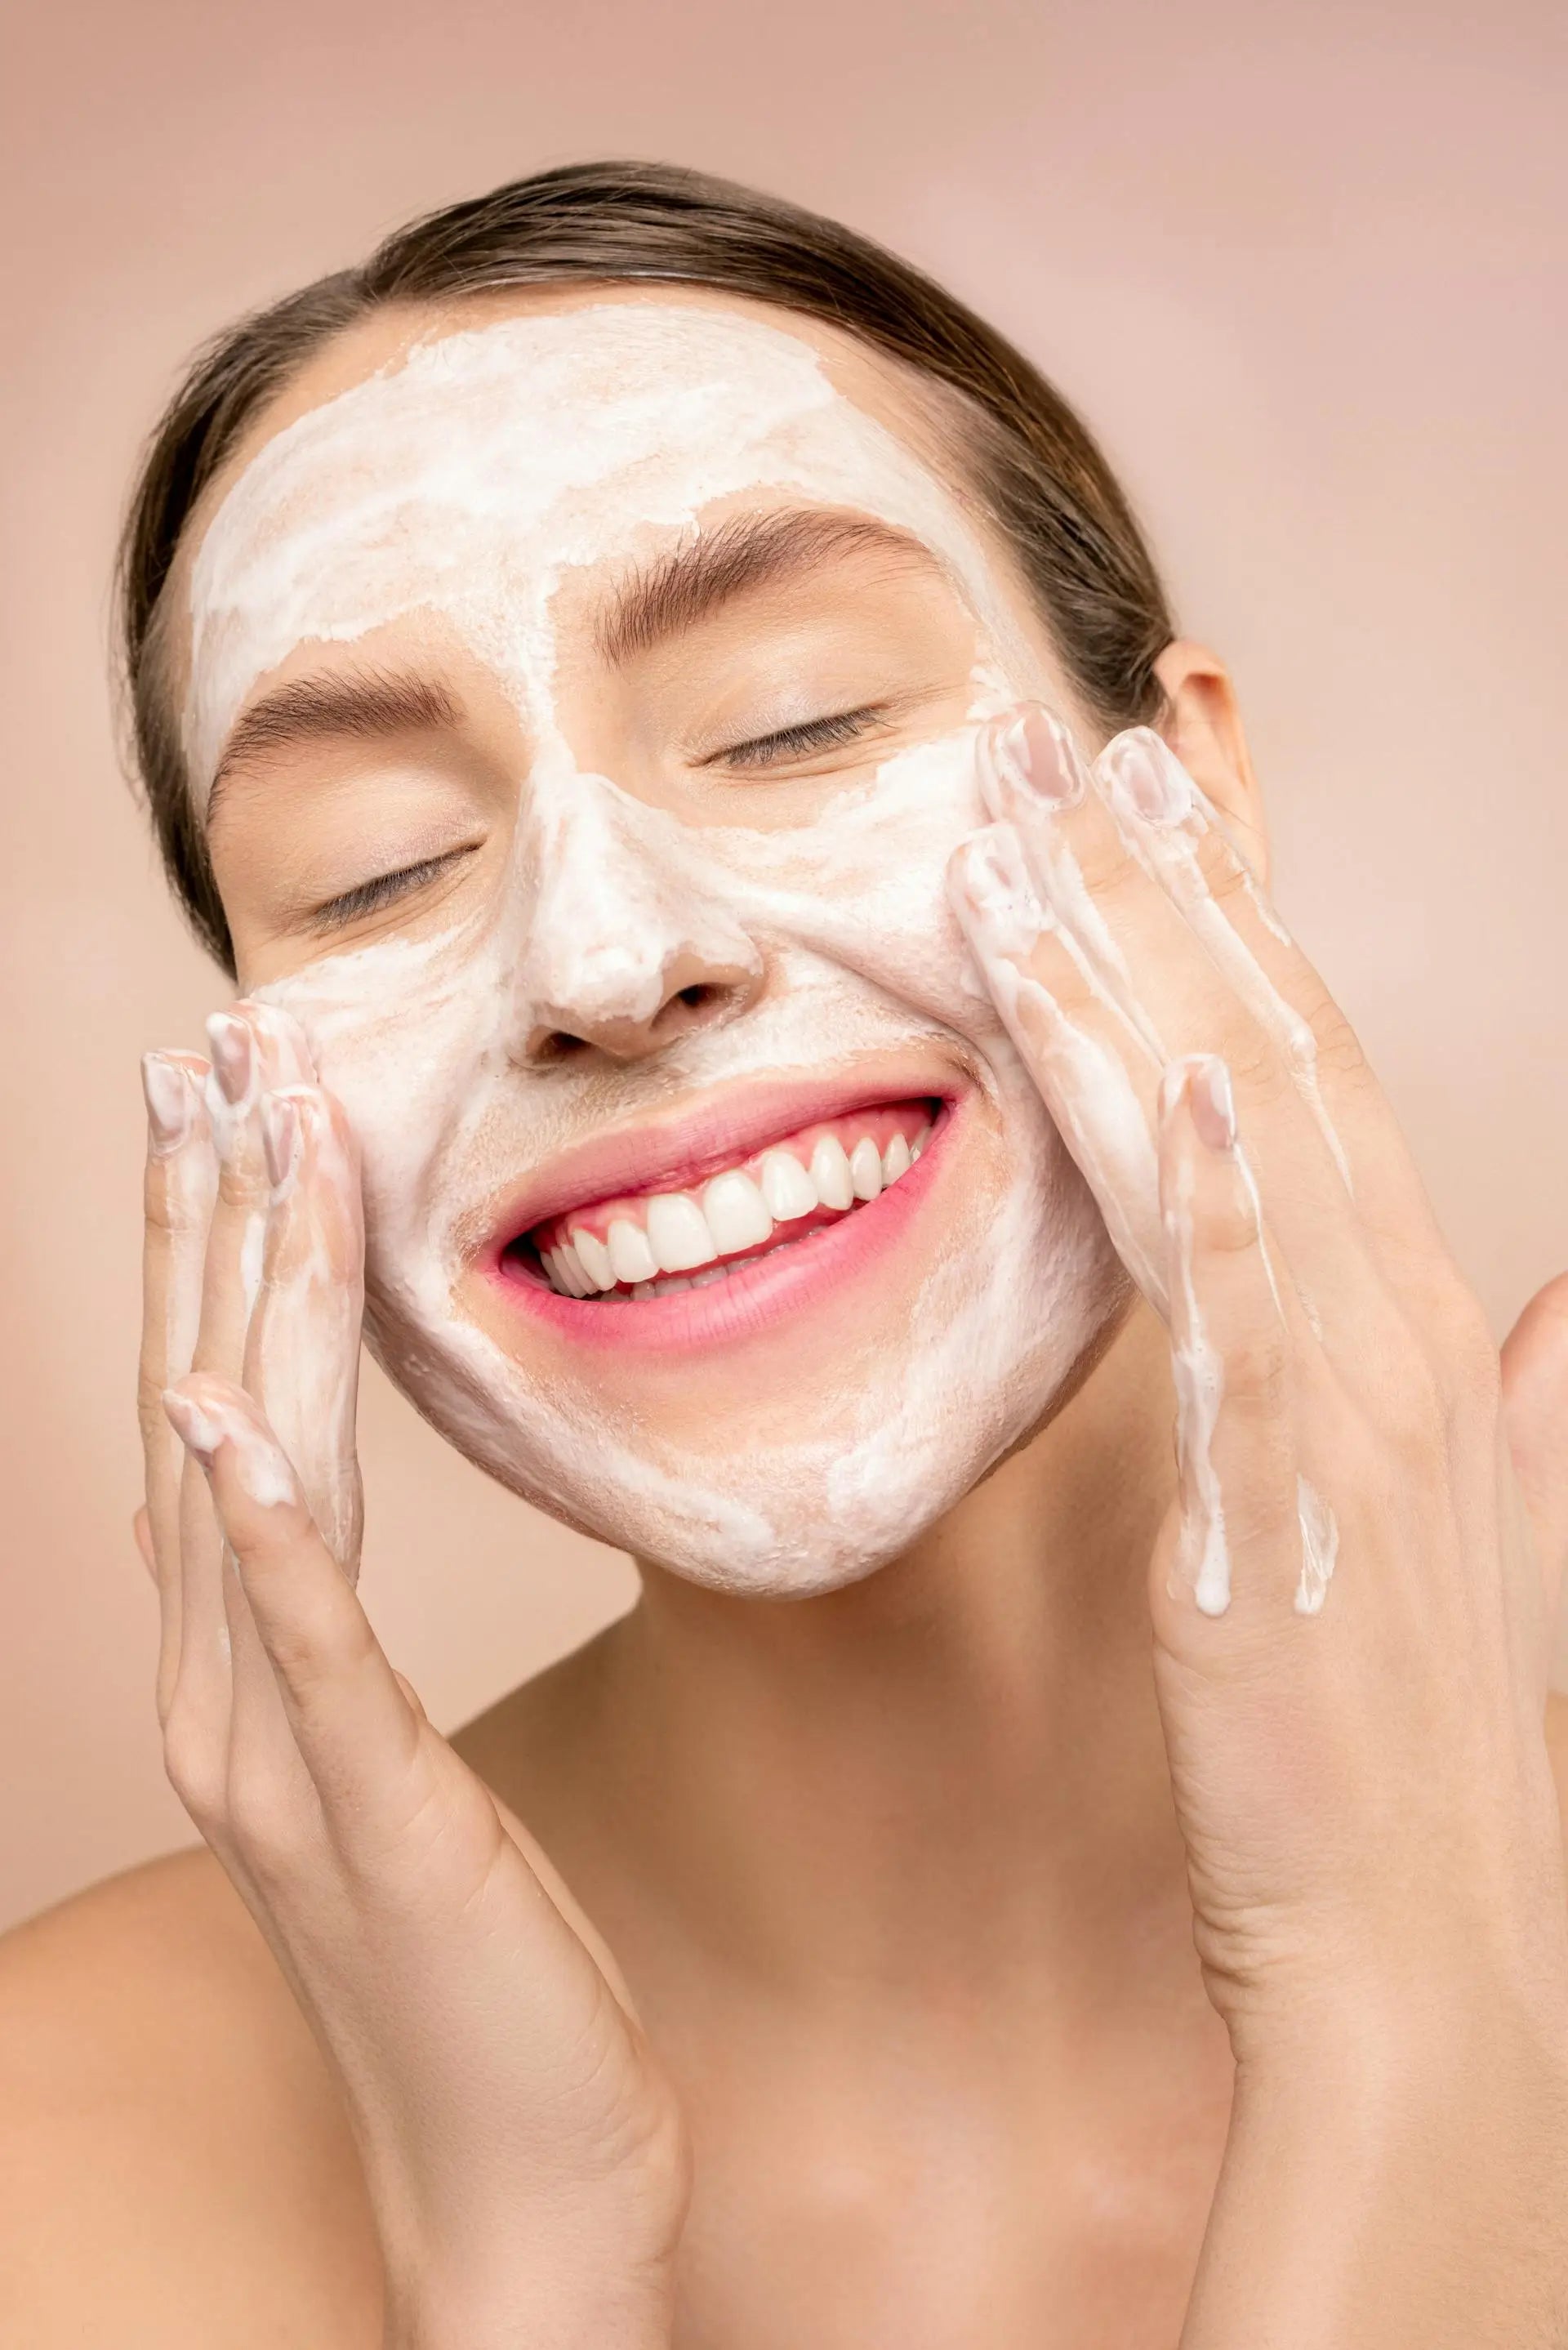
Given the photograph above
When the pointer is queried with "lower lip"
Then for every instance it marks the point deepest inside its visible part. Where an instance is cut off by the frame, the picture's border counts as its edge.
(759, 1291)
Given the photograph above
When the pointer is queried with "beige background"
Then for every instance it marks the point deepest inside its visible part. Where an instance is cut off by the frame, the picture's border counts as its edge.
(1303, 265)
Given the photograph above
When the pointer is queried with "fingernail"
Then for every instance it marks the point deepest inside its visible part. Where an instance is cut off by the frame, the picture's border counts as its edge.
(280, 1137)
(990, 888)
(1211, 1100)
(1148, 777)
(1035, 753)
(197, 1430)
(230, 1043)
(169, 1107)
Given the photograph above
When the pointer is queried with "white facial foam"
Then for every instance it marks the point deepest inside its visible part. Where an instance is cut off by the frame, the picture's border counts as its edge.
(468, 480)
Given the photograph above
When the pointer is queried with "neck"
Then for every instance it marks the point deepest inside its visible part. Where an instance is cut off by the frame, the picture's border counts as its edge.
(955, 1764)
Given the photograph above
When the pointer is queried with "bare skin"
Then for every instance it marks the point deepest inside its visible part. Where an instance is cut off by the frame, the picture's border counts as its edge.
(903, 1881)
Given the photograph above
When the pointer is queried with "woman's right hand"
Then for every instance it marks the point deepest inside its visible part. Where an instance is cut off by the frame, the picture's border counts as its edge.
(524, 2151)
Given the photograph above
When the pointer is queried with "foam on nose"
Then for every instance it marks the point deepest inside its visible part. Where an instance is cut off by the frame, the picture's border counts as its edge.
(619, 913)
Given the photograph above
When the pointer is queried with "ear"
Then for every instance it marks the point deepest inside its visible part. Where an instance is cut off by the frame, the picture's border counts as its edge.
(1202, 724)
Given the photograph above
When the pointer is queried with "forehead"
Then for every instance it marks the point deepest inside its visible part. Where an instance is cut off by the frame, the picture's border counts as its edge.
(462, 467)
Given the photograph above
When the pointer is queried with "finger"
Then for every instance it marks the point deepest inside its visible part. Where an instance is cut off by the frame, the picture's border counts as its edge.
(354, 1730)
(255, 1048)
(1241, 1532)
(1180, 842)
(252, 1046)
(1087, 1067)
(1126, 963)
(1535, 1407)
(179, 1189)
(141, 1535)
(302, 1357)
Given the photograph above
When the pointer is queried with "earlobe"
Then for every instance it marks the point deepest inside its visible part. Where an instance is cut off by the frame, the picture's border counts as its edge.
(1202, 724)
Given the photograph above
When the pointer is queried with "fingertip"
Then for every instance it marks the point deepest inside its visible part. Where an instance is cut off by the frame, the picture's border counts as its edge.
(286, 1055)
(196, 1427)
(222, 1428)
(992, 893)
(170, 1096)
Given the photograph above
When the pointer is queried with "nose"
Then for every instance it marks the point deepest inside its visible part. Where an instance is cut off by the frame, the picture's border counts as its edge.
(627, 947)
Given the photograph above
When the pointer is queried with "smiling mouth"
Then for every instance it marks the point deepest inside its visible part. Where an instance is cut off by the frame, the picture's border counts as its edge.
(643, 1244)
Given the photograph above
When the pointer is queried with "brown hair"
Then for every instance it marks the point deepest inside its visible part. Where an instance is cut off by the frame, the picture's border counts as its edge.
(1035, 465)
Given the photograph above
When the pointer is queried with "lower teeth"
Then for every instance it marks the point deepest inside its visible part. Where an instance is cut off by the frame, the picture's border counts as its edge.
(674, 1281)
(669, 1283)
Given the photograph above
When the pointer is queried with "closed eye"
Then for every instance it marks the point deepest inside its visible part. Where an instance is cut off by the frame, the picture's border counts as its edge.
(799, 741)
(368, 897)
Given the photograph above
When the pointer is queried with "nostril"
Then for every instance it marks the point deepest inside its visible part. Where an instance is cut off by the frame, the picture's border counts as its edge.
(558, 1044)
(696, 997)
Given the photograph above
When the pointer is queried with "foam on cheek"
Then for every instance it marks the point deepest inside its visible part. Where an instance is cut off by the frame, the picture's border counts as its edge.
(468, 482)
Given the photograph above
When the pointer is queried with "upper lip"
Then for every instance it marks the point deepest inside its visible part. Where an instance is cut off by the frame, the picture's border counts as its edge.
(676, 1152)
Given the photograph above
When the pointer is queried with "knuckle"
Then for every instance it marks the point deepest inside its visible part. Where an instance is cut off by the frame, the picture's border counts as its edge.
(1110, 869)
(1259, 1069)
(1258, 1376)
(1224, 874)
(1336, 1043)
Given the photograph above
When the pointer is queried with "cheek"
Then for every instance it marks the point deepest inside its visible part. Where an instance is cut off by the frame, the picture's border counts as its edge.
(865, 887)
(403, 1034)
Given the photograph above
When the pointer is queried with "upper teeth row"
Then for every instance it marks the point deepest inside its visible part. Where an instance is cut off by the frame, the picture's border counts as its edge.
(733, 1211)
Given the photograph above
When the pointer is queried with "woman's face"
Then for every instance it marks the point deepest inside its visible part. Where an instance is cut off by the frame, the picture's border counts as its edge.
(584, 698)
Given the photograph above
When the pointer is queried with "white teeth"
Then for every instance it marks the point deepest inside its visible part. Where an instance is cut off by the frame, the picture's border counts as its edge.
(866, 1168)
(571, 1263)
(594, 1258)
(830, 1173)
(735, 1212)
(667, 1287)
(566, 1273)
(678, 1233)
(630, 1253)
(787, 1189)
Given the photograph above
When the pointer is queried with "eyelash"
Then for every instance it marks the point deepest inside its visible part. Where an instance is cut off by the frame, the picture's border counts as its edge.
(370, 896)
(816, 734)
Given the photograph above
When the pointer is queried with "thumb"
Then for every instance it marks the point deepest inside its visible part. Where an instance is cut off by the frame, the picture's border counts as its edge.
(1535, 1411)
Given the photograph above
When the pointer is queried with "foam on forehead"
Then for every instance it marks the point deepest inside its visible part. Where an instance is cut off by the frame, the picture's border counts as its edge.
(465, 477)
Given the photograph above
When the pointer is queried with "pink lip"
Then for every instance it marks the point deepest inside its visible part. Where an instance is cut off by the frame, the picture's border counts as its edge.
(759, 1291)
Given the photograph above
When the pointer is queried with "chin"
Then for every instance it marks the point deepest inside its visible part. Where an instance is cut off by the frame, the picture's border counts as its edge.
(767, 1446)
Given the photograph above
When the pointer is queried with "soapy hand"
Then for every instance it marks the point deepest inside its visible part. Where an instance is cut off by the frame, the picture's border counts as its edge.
(1351, 1604)
(524, 2152)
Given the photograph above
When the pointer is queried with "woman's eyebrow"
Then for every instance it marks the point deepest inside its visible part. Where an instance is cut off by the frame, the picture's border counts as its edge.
(366, 704)
(671, 594)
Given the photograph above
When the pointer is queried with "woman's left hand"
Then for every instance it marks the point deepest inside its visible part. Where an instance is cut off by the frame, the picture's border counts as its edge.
(1351, 1603)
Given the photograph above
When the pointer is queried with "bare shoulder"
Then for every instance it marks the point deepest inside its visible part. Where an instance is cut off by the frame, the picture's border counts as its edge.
(175, 2166)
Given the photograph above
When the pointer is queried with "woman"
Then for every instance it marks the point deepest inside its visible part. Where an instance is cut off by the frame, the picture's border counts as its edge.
(756, 978)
